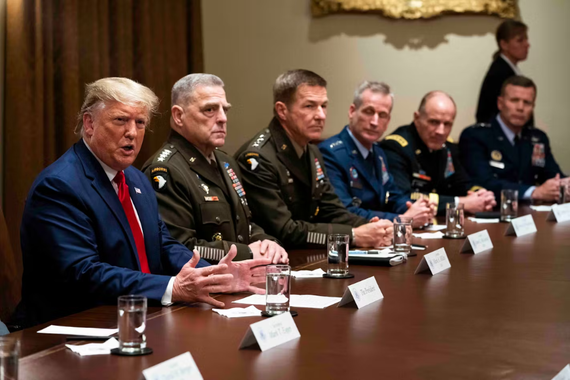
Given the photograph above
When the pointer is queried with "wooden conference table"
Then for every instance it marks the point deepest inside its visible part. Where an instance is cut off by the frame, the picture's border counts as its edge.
(500, 314)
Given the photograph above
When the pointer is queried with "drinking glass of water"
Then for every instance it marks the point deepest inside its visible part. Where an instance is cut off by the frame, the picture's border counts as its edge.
(455, 220)
(338, 255)
(509, 204)
(9, 353)
(277, 289)
(131, 316)
(403, 235)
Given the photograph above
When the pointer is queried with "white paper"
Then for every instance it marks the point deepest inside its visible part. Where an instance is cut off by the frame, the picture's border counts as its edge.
(94, 348)
(483, 220)
(559, 213)
(564, 374)
(239, 312)
(435, 227)
(181, 367)
(477, 242)
(363, 293)
(297, 300)
(430, 235)
(68, 330)
(435, 261)
(317, 273)
(541, 208)
(521, 226)
(271, 332)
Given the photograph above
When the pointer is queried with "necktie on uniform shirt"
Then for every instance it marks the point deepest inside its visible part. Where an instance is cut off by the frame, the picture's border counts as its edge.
(125, 199)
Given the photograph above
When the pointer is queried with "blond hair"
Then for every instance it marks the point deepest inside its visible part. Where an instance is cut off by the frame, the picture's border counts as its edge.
(115, 89)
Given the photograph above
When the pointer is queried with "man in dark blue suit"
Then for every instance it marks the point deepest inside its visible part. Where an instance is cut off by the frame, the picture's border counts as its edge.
(357, 166)
(509, 154)
(91, 229)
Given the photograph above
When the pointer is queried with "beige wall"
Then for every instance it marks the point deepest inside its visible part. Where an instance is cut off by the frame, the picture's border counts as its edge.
(248, 43)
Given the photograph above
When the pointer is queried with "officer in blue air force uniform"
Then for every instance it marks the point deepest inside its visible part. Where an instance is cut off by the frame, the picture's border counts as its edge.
(357, 166)
(506, 154)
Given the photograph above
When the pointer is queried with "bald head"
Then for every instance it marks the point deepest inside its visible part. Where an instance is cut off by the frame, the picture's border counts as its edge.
(434, 118)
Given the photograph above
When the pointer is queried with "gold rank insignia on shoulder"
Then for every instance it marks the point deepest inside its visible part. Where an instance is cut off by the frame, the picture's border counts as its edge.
(217, 237)
(418, 151)
(399, 139)
(283, 147)
(496, 155)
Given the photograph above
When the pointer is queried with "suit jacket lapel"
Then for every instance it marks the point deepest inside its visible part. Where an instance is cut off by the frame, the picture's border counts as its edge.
(359, 163)
(286, 152)
(103, 186)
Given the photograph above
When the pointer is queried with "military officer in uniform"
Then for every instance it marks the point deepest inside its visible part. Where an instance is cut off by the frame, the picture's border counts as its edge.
(423, 160)
(506, 154)
(285, 178)
(198, 187)
(357, 166)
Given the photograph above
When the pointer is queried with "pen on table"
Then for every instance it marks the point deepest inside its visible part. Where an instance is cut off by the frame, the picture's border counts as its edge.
(419, 247)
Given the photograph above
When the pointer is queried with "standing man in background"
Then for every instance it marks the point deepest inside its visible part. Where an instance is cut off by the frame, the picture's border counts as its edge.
(357, 166)
(423, 159)
(512, 40)
(290, 192)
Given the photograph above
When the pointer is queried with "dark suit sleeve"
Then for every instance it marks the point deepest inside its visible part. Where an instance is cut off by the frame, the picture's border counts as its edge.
(341, 184)
(64, 229)
(475, 159)
(270, 209)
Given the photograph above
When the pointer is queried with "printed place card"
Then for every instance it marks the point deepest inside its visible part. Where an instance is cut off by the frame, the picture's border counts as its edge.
(520, 226)
(362, 293)
(271, 333)
(180, 367)
(477, 242)
(559, 213)
(564, 374)
(435, 262)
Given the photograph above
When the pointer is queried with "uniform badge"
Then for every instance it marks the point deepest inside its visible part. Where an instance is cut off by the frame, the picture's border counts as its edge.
(160, 181)
(353, 173)
(253, 162)
(236, 184)
(217, 237)
(192, 159)
(385, 174)
(449, 168)
(159, 177)
(283, 147)
(205, 188)
(319, 170)
(356, 202)
(496, 155)
(538, 155)
(212, 199)
(418, 151)
(534, 139)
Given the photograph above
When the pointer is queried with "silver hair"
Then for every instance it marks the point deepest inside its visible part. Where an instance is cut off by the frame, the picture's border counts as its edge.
(116, 89)
(184, 89)
(377, 87)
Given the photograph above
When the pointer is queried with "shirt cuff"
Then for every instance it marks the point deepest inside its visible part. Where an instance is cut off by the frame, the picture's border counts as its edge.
(456, 201)
(528, 192)
(167, 297)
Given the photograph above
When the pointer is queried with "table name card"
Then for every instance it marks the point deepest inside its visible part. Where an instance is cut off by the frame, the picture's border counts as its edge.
(271, 332)
(520, 226)
(363, 293)
(435, 262)
(180, 367)
(564, 374)
(559, 213)
(477, 242)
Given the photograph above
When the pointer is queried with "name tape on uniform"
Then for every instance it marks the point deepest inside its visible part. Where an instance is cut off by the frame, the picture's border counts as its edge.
(559, 213)
(435, 262)
(477, 243)
(271, 332)
(363, 293)
(180, 367)
(520, 226)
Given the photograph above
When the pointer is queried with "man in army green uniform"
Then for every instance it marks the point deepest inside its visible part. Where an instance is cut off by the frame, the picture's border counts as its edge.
(284, 175)
(423, 159)
(198, 187)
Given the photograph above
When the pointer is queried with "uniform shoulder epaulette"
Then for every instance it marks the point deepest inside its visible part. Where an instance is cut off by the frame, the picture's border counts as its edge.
(399, 139)
(337, 144)
(481, 125)
(450, 140)
(165, 154)
(260, 139)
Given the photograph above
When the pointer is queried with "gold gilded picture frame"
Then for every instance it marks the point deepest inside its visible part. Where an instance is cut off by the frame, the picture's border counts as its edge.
(415, 9)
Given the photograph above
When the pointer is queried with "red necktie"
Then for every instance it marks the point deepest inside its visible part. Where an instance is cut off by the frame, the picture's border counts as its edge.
(125, 199)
